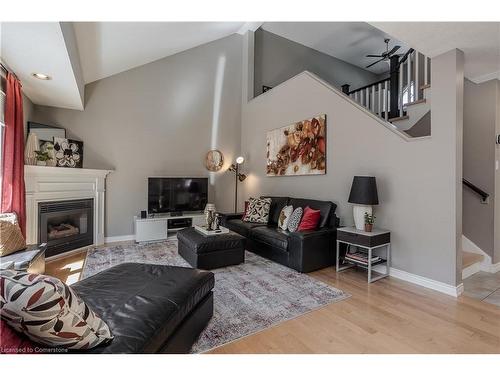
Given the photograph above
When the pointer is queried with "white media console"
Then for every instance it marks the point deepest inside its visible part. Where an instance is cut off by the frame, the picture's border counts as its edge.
(160, 227)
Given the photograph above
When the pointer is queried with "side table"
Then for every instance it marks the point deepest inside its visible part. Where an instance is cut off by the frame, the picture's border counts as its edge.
(370, 243)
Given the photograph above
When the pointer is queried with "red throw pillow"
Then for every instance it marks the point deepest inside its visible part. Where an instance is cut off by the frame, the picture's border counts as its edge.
(310, 219)
(13, 343)
(246, 209)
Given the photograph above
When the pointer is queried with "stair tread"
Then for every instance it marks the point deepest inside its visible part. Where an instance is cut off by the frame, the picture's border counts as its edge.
(415, 102)
(398, 118)
(468, 259)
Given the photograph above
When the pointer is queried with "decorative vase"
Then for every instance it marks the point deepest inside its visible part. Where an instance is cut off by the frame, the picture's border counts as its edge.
(209, 215)
(32, 145)
(41, 163)
(368, 227)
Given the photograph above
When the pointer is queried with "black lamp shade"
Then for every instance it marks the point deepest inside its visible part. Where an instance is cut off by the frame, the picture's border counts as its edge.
(364, 190)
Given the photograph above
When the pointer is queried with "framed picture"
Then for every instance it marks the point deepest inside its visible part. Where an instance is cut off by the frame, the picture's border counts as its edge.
(46, 132)
(68, 153)
(298, 149)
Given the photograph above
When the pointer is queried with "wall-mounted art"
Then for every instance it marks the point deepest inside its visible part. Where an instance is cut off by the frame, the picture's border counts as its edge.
(46, 132)
(298, 149)
(68, 152)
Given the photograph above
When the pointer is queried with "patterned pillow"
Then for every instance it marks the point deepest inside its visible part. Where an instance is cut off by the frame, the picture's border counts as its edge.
(294, 221)
(11, 237)
(258, 210)
(49, 312)
(285, 214)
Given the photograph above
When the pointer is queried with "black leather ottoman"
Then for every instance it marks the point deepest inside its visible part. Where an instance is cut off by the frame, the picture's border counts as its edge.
(149, 308)
(209, 252)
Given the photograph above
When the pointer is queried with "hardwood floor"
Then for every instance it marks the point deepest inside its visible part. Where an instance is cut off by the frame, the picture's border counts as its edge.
(388, 316)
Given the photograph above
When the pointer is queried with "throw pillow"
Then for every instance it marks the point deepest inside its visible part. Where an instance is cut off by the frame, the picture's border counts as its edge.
(258, 210)
(310, 219)
(245, 211)
(11, 237)
(293, 223)
(284, 218)
(49, 312)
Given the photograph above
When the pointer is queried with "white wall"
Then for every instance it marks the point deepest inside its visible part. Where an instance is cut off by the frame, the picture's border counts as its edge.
(419, 182)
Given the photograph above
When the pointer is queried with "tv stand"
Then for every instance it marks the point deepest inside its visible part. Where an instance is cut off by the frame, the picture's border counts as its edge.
(178, 213)
(161, 227)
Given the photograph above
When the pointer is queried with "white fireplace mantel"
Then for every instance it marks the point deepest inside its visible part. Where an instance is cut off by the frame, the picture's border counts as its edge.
(44, 184)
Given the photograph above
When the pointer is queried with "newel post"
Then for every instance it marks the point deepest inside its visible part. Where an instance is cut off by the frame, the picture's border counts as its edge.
(346, 88)
(394, 87)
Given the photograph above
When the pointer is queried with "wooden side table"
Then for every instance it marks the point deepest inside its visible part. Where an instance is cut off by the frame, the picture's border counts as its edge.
(371, 242)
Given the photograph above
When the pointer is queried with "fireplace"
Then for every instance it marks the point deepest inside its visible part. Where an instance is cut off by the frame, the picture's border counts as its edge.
(66, 225)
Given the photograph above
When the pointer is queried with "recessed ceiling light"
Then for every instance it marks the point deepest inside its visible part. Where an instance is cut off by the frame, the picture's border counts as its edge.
(41, 76)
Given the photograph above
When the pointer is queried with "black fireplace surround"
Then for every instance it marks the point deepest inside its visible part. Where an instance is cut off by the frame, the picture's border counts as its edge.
(65, 225)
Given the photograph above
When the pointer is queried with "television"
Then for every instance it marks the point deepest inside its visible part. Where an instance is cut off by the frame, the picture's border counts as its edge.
(177, 194)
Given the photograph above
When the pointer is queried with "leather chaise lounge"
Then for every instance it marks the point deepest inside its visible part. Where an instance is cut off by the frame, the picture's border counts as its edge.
(304, 251)
(149, 308)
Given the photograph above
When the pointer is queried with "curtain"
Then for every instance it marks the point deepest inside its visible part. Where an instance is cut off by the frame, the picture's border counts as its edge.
(13, 194)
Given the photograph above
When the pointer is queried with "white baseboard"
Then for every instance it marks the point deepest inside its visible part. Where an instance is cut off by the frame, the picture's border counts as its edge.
(439, 286)
(129, 237)
(471, 270)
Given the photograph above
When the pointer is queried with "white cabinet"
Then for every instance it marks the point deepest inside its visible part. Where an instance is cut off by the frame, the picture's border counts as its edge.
(161, 227)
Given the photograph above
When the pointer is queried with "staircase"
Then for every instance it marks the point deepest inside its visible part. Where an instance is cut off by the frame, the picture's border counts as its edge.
(395, 99)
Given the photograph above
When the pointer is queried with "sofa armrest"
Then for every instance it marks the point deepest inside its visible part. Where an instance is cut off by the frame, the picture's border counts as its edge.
(312, 250)
(230, 216)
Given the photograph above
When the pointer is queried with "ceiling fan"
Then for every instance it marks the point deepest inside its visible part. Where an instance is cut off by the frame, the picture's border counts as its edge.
(385, 56)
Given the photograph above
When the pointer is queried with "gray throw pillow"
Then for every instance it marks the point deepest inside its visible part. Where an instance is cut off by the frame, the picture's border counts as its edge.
(258, 210)
(294, 221)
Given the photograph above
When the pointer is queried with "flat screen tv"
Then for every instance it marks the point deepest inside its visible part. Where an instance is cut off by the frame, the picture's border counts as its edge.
(177, 194)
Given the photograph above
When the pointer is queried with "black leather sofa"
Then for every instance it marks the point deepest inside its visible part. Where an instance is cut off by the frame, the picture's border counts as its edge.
(149, 308)
(303, 251)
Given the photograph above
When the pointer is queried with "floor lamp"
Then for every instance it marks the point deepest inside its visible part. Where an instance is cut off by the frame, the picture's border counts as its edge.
(238, 177)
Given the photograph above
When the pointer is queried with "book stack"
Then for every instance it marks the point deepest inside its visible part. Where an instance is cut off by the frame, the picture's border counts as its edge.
(361, 257)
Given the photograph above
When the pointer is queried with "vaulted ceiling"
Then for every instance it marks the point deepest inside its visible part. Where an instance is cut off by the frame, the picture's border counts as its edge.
(75, 54)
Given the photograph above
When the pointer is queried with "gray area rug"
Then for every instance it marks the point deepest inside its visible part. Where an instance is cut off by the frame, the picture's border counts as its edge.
(247, 298)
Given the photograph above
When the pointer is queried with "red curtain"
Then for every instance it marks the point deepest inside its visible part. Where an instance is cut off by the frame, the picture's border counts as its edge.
(13, 194)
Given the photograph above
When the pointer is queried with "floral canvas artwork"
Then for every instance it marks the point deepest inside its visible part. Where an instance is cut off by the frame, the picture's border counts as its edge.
(68, 152)
(298, 149)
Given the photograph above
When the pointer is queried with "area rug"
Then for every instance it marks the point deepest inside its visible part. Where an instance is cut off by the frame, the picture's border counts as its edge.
(248, 297)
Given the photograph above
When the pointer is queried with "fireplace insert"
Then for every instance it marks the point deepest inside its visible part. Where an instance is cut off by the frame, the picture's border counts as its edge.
(66, 225)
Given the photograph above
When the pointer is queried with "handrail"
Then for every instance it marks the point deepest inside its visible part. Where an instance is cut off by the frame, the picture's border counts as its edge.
(370, 85)
(405, 56)
(484, 195)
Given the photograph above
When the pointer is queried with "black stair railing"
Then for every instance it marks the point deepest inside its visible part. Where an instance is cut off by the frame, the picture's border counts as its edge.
(484, 195)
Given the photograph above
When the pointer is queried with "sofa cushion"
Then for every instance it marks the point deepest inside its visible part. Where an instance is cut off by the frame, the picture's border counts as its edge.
(277, 204)
(12, 342)
(143, 303)
(241, 227)
(271, 235)
(258, 210)
(326, 208)
(49, 312)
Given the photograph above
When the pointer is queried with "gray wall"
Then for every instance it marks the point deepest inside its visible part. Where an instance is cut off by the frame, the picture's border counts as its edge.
(28, 108)
(278, 59)
(418, 204)
(480, 102)
(159, 119)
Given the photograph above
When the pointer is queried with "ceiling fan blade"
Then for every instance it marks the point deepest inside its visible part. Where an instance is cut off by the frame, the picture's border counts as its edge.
(375, 62)
(374, 56)
(394, 49)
